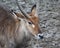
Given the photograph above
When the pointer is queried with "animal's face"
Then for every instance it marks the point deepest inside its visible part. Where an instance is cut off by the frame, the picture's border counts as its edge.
(31, 22)
(33, 26)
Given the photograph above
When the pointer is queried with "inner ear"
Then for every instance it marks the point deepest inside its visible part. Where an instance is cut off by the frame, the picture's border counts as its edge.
(33, 10)
(33, 7)
(18, 14)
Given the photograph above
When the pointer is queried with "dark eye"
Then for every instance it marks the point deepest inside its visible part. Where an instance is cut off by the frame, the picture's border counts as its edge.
(30, 22)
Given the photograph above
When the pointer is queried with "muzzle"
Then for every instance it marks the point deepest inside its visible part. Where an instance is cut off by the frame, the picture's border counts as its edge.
(39, 36)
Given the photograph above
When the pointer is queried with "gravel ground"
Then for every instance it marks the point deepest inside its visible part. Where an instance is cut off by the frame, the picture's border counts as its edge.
(49, 14)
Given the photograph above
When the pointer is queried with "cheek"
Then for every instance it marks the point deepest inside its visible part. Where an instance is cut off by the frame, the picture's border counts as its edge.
(36, 30)
(29, 27)
(33, 29)
(33, 26)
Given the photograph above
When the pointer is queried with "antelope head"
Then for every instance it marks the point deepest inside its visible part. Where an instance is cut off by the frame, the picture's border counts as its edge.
(29, 22)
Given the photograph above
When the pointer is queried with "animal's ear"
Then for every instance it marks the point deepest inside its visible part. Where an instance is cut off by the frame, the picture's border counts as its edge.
(33, 10)
(19, 15)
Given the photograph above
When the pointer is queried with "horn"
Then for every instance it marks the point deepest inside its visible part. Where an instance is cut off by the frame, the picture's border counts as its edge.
(21, 9)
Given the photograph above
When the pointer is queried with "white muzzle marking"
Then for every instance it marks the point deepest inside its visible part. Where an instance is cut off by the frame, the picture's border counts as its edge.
(39, 36)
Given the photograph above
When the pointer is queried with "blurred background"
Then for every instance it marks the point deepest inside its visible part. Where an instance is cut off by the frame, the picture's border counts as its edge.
(49, 14)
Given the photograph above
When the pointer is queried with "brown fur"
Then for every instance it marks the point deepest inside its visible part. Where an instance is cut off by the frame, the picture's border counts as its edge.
(34, 19)
(12, 30)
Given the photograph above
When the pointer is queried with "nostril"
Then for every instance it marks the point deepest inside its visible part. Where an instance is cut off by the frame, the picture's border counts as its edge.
(41, 37)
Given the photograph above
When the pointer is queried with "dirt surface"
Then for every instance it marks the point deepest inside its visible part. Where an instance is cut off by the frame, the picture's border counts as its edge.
(49, 14)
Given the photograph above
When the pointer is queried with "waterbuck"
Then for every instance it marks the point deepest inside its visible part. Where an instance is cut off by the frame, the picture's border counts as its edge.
(14, 27)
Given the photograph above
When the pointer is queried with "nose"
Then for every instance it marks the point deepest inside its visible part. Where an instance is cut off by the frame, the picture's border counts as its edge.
(39, 36)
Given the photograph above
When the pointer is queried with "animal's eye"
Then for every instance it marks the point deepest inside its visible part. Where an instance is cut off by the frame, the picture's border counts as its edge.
(30, 22)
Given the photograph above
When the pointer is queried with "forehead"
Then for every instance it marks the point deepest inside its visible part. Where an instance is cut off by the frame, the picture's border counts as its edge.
(34, 20)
